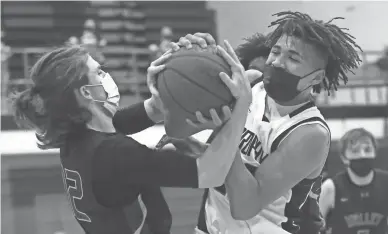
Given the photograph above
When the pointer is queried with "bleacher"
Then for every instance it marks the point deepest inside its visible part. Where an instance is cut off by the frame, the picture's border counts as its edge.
(33, 28)
(183, 16)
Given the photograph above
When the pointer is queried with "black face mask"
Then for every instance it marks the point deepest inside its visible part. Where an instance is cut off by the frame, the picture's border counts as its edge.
(362, 167)
(281, 85)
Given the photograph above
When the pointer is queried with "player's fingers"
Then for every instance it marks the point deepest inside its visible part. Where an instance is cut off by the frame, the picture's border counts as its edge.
(216, 119)
(156, 70)
(226, 112)
(162, 142)
(173, 46)
(230, 51)
(152, 71)
(253, 75)
(200, 117)
(154, 92)
(183, 41)
(161, 60)
(208, 38)
(221, 51)
(191, 123)
(229, 83)
(196, 40)
(151, 83)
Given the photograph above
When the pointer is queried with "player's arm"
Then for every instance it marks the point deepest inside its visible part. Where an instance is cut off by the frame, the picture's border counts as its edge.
(136, 118)
(302, 152)
(327, 198)
(127, 160)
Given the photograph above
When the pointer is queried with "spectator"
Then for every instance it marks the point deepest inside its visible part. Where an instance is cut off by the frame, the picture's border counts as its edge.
(91, 39)
(355, 201)
(166, 36)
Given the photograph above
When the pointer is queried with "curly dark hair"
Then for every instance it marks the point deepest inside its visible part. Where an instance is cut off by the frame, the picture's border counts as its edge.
(338, 45)
(253, 47)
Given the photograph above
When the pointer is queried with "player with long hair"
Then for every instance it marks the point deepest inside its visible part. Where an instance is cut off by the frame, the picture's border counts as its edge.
(73, 106)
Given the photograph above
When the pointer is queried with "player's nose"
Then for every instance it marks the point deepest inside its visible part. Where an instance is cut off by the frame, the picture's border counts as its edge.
(278, 62)
(363, 154)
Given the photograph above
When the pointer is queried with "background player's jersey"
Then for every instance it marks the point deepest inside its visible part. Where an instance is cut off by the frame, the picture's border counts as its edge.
(359, 210)
(259, 139)
(125, 213)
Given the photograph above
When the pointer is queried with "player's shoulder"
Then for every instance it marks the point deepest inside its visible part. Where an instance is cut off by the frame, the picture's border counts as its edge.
(313, 132)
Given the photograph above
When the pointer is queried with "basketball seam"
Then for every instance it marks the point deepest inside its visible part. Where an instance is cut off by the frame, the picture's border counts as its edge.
(200, 86)
(173, 98)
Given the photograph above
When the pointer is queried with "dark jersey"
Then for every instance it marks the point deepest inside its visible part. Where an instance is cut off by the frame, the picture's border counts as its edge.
(113, 182)
(359, 209)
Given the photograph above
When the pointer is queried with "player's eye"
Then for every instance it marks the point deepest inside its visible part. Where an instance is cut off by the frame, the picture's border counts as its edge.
(294, 59)
(274, 52)
(355, 150)
(368, 149)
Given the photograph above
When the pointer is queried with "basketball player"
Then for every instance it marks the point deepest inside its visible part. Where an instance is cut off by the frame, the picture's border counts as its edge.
(286, 139)
(73, 106)
(253, 54)
(356, 200)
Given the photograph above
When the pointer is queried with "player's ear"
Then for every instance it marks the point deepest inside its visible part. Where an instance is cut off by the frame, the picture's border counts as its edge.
(344, 159)
(84, 93)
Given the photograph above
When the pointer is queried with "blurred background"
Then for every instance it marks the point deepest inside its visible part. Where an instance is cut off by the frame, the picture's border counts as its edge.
(125, 37)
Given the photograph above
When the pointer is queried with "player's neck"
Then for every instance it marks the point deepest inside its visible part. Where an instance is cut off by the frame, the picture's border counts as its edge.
(101, 123)
(290, 106)
(360, 180)
(284, 110)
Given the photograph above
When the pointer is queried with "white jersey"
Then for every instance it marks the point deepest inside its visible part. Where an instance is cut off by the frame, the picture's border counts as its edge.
(259, 139)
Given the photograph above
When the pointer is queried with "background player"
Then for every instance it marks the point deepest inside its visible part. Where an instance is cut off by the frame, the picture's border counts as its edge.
(71, 106)
(286, 140)
(355, 200)
(253, 54)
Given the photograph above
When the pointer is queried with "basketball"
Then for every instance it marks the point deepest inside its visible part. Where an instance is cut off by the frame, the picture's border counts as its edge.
(189, 83)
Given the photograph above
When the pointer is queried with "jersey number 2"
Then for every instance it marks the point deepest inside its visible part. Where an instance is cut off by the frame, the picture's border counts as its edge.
(75, 192)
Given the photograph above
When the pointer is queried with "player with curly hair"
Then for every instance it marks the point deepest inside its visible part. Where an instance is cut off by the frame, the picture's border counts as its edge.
(286, 140)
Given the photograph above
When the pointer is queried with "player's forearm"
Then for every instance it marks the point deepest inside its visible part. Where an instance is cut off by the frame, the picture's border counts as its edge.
(214, 164)
(132, 119)
(243, 191)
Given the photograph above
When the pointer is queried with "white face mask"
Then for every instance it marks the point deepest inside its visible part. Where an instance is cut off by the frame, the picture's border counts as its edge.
(110, 87)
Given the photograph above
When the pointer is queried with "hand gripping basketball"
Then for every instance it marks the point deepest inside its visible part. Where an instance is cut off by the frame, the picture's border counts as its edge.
(152, 71)
(201, 39)
(204, 40)
(202, 123)
(238, 84)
